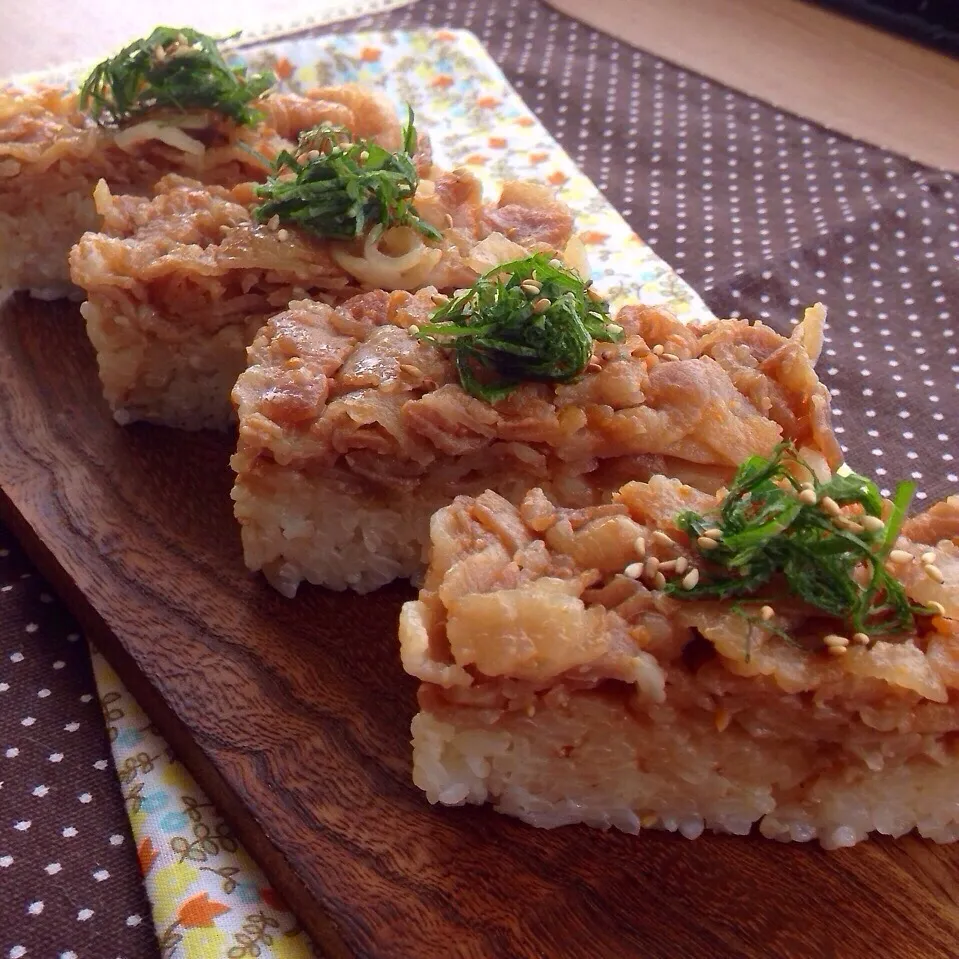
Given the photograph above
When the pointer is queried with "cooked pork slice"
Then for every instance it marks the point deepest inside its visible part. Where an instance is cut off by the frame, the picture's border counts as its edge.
(178, 284)
(565, 678)
(940, 521)
(52, 156)
(366, 112)
(354, 432)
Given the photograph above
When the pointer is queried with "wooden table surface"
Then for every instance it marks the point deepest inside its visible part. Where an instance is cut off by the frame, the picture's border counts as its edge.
(850, 77)
(690, 891)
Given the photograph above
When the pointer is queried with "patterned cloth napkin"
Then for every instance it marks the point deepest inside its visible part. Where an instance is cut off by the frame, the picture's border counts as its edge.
(208, 897)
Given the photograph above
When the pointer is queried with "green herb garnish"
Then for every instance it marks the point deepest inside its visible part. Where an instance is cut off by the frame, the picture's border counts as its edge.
(530, 319)
(773, 526)
(178, 69)
(337, 188)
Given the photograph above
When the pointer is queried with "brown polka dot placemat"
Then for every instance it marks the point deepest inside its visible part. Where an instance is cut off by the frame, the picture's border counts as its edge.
(69, 879)
(760, 211)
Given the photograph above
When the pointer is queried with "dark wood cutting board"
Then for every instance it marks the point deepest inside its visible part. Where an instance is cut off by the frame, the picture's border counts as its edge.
(294, 716)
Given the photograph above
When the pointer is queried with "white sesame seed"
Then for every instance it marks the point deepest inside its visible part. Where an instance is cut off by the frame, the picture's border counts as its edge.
(691, 578)
(829, 505)
(662, 538)
(808, 497)
(767, 613)
(634, 570)
(706, 543)
(934, 573)
(900, 556)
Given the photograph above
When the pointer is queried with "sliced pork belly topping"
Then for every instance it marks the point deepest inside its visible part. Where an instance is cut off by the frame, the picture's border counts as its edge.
(542, 595)
(528, 213)
(383, 382)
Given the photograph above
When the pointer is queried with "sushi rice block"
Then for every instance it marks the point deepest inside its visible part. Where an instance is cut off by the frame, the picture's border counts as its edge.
(354, 431)
(576, 668)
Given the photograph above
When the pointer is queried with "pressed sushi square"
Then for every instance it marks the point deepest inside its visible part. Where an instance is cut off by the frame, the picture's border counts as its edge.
(353, 432)
(562, 682)
(178, 283)
(52, 155)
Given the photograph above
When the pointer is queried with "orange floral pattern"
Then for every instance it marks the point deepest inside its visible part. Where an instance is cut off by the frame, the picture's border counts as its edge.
(200, 910)
(283, 68)
(272, 898)
(146, 854)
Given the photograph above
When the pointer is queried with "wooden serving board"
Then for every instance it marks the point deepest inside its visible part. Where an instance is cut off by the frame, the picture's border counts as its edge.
(294, 716)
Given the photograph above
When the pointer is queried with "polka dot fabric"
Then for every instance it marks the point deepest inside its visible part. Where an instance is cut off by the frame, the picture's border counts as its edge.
(759, 211)
(69, 880)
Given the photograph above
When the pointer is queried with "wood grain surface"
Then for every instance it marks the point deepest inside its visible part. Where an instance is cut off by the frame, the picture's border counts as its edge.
(294, 716)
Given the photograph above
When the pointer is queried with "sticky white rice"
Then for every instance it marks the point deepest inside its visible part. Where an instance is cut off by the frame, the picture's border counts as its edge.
(671, 769)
